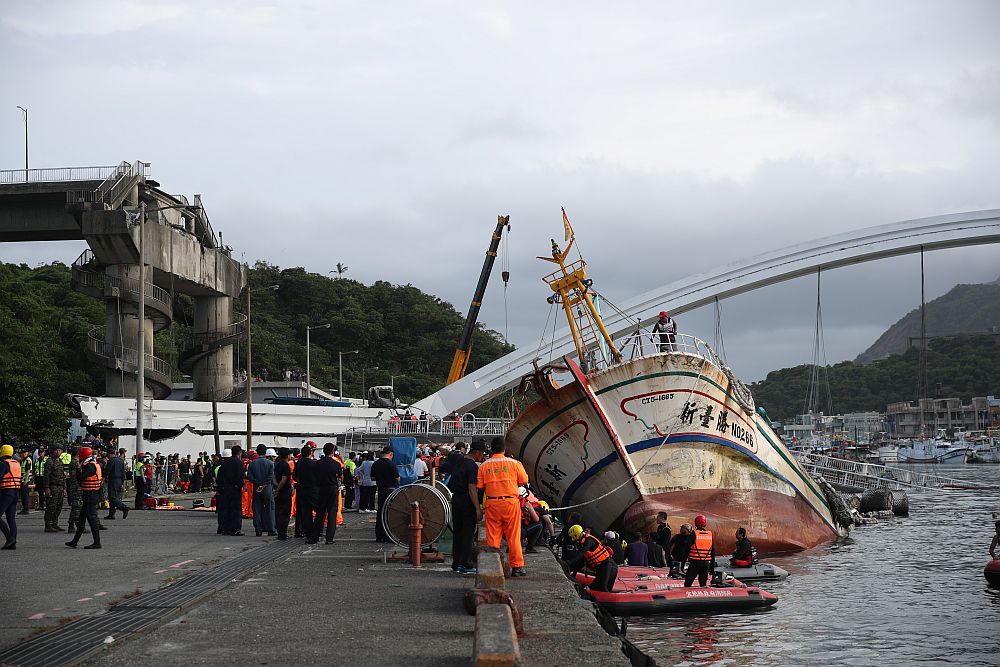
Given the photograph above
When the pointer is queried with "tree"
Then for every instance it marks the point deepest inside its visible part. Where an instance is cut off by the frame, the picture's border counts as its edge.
(340, 270)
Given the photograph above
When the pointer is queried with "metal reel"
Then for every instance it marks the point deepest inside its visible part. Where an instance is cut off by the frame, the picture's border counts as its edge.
(435, 512)
(439, 485)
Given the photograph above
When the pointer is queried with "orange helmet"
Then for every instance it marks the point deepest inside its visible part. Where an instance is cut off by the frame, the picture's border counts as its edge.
(86, 452)
(700, 521)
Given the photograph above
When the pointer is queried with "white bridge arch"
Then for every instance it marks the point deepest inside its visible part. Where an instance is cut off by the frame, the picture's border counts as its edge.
(855, 247)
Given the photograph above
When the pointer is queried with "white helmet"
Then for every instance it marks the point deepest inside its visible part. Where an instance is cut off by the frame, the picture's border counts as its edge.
(226, 453)
(522, 491)
(270, 452)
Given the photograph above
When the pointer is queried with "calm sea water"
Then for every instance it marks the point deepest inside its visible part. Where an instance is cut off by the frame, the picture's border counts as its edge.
(908, 591)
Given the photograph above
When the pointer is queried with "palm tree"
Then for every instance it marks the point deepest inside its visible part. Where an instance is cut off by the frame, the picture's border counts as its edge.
(340, 270)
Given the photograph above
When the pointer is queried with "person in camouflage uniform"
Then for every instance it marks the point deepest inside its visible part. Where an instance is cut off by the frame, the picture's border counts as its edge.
(55, 488)
(75, 494)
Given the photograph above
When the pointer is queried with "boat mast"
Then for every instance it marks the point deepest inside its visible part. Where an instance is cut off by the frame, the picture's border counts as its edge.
(571, 287)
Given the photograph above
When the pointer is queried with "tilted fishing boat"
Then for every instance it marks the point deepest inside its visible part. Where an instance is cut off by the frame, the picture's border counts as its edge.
(672, 430)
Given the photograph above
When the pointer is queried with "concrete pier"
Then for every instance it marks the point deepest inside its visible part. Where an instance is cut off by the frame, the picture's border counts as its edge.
(310, 604)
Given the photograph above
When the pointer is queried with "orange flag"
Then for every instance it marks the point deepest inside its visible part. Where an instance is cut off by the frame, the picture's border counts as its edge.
(566, 226)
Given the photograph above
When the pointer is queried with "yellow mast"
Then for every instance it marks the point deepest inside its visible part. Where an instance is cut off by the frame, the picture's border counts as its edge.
(571, 287)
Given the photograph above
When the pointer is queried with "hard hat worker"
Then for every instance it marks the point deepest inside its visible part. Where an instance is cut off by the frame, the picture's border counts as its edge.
(10, 490)
(701, 558)
(89, 479)
(596, 555)
(665, 333)
(499, 476)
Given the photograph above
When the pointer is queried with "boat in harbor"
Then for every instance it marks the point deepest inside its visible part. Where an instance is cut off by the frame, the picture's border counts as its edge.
(672, 430)
(938, 450)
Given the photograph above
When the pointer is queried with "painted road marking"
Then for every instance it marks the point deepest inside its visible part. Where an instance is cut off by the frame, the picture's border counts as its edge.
(182, 563)
(36, 617)
(85, 599)
(101, 594)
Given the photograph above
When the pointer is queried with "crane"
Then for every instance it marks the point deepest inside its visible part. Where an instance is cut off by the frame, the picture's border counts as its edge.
(461, 359)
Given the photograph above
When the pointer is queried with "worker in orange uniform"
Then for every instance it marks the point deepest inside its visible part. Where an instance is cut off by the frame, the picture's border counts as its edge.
(701, 558)
(246, 497)
(500, 476)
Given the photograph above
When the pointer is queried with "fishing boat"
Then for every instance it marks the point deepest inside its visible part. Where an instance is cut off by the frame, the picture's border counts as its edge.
(671, 430)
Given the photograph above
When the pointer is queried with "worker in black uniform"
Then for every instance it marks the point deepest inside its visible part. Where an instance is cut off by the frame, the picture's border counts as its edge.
(465, 506)
(701, 557)
(596, 556)
(327, 473)
(306, 497)
(282, 493)
(230, 486)
(89, 478)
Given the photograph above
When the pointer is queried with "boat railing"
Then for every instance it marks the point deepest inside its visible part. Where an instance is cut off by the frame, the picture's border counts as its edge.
(874, 476)
(466, 426)
(685, 343)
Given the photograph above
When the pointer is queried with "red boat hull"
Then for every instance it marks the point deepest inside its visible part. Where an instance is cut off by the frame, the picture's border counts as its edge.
(992, 573)
(775, 522)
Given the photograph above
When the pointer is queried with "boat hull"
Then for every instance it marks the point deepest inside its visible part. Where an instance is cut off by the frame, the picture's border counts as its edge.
(633, 597)
(666, 433)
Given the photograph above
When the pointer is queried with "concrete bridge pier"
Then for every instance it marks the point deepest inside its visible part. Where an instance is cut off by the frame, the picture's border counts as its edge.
(211, 359)
(121, 331)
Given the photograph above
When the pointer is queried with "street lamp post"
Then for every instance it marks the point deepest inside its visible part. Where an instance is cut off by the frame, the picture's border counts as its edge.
(392, 381)
(25, 112)
(364, 387)
(309, 377)
(249, 382)
(340, 370)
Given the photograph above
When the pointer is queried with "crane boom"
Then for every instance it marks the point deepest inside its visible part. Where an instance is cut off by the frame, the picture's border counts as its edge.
(461, 360)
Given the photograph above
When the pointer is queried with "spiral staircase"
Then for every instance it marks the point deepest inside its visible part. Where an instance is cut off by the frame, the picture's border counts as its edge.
(89, 278)
(207, 342)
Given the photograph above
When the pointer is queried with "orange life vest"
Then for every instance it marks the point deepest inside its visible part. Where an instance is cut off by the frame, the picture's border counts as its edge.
(12, 480)
(92, 483)
(702, 547)
(598, 554)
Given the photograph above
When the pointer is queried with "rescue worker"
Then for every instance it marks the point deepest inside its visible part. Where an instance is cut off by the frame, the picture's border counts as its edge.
(349, 466)
(531, 523)
(260, 476)
(613, 542)
(328, 472)
(43, 458)
(680, 547)
(385, 474)
(115, 479)
(499, 476)
(465, 507)
(55, 489)
(743, 553)
(10, 489)
(701, 558)
(220, 516)
(27, 478)
(596, 556)
(89, 479)
(665, 332)
(663, 534)
(305, 491)
(73, 494)
(230, 483)
(139, 479)
(282, 493)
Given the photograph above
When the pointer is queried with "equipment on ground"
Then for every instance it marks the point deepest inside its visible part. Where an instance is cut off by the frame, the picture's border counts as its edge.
(435, 512)
(461, 360)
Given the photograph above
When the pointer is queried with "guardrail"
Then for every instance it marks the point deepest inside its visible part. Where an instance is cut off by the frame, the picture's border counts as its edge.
(100, 347)
(131, 285)
(113, 187)
(237, 328)
(56, 174)
(873, 475)
(468, 426)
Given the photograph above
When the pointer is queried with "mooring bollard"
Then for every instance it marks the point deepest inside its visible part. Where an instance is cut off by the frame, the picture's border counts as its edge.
(415, 527)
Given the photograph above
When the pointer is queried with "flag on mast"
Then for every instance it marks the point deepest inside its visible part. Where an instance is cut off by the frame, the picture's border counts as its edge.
(566, 226)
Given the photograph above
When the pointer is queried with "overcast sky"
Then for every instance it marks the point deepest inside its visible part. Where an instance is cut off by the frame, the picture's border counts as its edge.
(679, 136)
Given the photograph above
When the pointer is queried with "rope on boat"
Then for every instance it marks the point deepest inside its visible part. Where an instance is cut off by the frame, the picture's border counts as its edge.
(652, 455)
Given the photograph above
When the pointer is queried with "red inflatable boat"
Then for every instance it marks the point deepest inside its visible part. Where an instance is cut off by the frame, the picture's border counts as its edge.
(992, 573)
(635, 596)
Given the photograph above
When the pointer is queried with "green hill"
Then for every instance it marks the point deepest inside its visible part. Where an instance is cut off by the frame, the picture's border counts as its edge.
(402, 330)
(963, 366)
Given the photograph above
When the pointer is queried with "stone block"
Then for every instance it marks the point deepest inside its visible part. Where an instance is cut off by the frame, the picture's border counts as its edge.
(489, 570)
(496, 639)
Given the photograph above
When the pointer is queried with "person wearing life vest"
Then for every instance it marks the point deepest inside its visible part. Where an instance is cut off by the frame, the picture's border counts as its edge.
(597, 556)
(89, 478)
(743, 553)
(10, 489)
(701, 557)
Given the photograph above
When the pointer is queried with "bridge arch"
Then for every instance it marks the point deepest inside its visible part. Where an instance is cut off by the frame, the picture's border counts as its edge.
(854, 247)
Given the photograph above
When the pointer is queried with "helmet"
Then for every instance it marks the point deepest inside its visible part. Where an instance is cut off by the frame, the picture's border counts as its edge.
(86, 452)
(270, 452)
(610, 535)
(226, 453)
(700, 521)
(544, 505)
(575, 531)
(6, 450)
(522, 491)
(663, 313)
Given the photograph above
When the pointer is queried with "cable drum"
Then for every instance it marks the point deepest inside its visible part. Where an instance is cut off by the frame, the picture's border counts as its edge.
(439, 485)
(435, 513)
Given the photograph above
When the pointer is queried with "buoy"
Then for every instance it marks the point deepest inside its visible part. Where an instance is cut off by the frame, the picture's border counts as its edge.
(992, 573)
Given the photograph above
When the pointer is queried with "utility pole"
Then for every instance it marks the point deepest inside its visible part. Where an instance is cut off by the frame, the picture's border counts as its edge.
(140, 382)
(25, 112)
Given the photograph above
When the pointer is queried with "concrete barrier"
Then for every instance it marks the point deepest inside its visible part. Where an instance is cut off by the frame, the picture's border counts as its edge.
(496, 639)
(489, 570)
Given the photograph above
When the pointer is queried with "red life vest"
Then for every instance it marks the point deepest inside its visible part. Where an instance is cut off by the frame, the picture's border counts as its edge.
(702, 547)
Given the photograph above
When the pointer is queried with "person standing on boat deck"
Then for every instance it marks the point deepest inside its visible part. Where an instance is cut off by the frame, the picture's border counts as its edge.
(995, 543)
(666, 328)
(500, 476)
(701, 558)
(598, 558)
(655, 554)
(663, 535)
(680, 546)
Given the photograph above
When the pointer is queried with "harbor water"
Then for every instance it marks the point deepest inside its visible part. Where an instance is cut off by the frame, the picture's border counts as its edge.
(907, 591)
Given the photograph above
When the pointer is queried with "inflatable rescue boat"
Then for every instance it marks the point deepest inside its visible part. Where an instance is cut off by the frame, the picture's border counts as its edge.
(751, 573)
(992, 573)
(635, 596)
